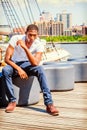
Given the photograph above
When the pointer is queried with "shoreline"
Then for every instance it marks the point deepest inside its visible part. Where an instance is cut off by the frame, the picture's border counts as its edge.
(51, 42)
(83, 42)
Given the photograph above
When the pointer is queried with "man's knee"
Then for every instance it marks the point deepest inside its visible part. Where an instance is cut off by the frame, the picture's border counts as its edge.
(7, 70)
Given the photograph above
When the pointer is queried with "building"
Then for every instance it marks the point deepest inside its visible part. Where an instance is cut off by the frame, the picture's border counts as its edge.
(77, 30)
(4, 29)
(84, 30)
(66, 18)
(50, 28)
(56, 28)
(67, 33)
(46, 16)
(19, 30)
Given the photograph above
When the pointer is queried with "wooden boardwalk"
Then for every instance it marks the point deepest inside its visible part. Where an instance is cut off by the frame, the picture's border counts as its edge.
(71, 104)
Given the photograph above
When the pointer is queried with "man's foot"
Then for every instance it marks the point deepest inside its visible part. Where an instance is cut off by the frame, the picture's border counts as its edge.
(10, 108)
(51, 109)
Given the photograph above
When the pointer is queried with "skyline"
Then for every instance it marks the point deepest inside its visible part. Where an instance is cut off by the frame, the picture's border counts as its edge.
(77, 8)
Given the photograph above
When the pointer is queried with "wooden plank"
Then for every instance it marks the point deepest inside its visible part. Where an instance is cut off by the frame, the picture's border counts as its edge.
(71, 104)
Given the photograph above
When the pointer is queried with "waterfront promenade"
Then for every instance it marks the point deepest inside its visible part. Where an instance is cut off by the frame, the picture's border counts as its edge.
(71, 104)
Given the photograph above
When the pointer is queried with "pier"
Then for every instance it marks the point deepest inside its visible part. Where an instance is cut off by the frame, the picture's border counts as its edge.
(71, 104)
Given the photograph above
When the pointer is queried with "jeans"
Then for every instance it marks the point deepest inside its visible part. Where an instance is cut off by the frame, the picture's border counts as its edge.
(8, 73)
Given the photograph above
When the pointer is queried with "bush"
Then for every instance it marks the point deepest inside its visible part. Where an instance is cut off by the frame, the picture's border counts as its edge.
(65, 38)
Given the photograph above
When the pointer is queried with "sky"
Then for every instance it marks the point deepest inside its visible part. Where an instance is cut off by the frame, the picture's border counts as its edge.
(78, 9)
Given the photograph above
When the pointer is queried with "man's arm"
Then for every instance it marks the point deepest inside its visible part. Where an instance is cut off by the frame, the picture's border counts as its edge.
(9, 53)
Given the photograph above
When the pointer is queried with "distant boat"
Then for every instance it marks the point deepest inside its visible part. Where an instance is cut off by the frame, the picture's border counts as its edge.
(55, 54)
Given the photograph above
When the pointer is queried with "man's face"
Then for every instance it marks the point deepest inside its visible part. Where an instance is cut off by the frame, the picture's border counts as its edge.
(32, 35)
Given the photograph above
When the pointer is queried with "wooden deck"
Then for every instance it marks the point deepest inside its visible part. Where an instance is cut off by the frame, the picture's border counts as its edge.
(71, 104)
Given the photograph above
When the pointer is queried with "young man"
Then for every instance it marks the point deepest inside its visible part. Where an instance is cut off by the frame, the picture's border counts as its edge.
(23, 57)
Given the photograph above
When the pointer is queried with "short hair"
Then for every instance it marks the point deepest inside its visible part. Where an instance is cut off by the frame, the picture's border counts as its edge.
(32, 27)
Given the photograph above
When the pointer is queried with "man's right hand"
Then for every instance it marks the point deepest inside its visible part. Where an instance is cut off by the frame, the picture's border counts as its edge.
(21, 43)
(22, 74)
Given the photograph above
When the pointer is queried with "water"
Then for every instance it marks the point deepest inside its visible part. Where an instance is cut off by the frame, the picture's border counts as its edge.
(76, 50)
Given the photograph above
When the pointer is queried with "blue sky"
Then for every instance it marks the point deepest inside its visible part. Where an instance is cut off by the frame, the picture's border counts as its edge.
(78, 8)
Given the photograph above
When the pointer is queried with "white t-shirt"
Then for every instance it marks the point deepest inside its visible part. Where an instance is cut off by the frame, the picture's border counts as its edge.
(19, 53)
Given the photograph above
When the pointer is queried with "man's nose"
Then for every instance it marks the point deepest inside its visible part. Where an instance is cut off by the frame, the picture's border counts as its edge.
(32, 37)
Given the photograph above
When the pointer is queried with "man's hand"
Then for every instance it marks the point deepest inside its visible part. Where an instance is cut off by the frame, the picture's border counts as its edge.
(21, 43)
(22, 74)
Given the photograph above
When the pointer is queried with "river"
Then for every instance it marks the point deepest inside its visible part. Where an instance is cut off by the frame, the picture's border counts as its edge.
(76, 50)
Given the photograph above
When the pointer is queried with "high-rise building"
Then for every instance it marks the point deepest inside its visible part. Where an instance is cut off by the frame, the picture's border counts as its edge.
(66, 18)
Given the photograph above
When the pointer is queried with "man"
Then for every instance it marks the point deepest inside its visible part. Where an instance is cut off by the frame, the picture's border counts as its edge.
(23, 57)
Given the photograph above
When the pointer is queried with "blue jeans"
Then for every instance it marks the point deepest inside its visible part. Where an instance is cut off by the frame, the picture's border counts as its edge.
(8, 73)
